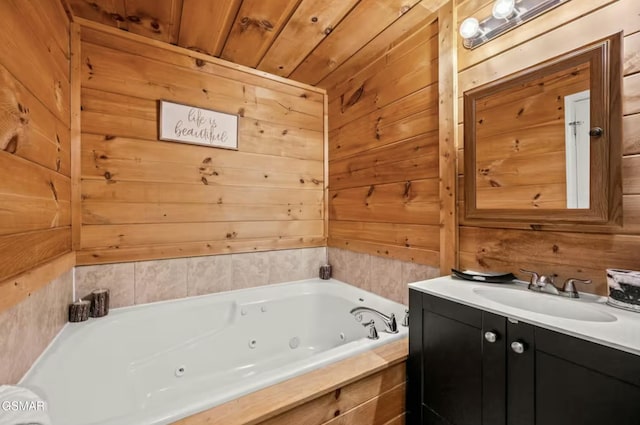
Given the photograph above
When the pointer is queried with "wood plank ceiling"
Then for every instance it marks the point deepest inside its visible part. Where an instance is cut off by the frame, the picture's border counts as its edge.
(305, 40)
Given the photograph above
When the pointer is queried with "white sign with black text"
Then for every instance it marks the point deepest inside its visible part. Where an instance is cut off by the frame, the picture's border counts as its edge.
(190, 124)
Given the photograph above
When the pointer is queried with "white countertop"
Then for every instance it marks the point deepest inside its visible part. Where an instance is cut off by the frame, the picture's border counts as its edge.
(623, 333)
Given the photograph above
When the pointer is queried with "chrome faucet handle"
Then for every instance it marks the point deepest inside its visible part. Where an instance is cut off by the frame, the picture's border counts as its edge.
(393, 325)
(569, 289)
(405, 320)
(371, 326)
(535, 278)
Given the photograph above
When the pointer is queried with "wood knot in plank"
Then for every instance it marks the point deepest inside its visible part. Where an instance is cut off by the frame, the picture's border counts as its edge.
(494, 183)
(204, 180)
(241, 112)
(328, 30)
(12, 144)
(107, 175)
(231, 235)
(134, 19)
(407, 189)
(116, 17)
(200, 63)
(555, 249)
(109, 137)
(53, 190)
(353, 99)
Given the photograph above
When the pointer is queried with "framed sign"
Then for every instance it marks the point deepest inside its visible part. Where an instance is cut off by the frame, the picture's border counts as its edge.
(198, 126)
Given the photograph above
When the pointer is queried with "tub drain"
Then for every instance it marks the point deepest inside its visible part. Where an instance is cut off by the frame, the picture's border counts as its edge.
(294, 342)
(253, 343)
(180, 370)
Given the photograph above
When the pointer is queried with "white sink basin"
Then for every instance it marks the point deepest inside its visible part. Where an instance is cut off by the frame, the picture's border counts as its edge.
(551, 305)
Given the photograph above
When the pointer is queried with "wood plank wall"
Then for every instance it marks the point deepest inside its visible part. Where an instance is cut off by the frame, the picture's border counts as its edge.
(35, 161)
(570, 251)
(383, 150)
(142, 198)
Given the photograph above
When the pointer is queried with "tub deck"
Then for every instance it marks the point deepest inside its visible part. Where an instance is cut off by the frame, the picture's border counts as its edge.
(305, 396)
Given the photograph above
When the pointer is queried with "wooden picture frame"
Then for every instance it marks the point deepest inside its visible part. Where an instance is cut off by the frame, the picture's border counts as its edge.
(197, 126)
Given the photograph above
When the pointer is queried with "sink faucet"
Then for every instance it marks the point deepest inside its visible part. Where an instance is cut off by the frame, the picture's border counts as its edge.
(542, 283)
(389, 321)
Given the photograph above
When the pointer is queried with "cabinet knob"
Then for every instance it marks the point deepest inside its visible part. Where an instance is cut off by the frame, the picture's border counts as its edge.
(490, 336)
(517, 347)
(596, 132)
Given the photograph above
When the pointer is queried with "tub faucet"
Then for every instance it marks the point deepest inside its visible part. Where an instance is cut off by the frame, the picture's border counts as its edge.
(389, 321)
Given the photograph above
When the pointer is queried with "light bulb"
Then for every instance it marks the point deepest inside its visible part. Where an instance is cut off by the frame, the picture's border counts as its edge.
(502, 9)
(469, 27)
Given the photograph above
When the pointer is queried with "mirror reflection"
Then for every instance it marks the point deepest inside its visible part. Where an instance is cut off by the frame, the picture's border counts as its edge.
(532, 143)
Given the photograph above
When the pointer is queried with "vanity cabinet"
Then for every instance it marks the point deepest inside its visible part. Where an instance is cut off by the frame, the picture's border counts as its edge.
(471, 367)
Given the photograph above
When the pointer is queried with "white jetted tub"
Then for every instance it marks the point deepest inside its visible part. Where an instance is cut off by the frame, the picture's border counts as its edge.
(157, 363)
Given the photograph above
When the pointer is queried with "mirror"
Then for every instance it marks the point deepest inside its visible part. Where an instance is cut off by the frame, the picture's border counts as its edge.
(543, 145)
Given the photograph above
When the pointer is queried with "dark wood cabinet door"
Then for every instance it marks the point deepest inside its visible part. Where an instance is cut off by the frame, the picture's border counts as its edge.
(582, 383)
(567, 393)
(520, 374)
(452, 363)
(494, 371)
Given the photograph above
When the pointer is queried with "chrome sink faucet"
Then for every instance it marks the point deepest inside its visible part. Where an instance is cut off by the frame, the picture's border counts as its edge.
(389, 321)
(546, 284)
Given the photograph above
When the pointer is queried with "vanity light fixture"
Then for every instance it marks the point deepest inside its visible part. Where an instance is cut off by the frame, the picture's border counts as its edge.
(502, 9)
(506, 15)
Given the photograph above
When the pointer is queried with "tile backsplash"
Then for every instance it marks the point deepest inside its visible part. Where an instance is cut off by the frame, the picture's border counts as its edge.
(149, 281)
(382, 276)
(28, 327)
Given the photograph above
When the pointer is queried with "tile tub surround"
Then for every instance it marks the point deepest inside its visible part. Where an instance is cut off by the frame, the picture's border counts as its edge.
(27, 328)
(382, 276)
(149, 281)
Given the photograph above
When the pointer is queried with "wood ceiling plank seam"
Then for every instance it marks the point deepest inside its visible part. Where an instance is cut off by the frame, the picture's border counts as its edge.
(279, 31)
(176, 20)
(194, 18)
(268, 21)
(229, 28)
(300, 70)
(333, 27)
(330, 81)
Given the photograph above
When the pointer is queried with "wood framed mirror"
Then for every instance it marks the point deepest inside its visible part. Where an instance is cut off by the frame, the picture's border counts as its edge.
(543, 144)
